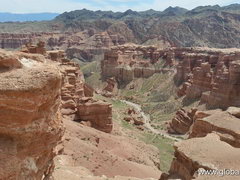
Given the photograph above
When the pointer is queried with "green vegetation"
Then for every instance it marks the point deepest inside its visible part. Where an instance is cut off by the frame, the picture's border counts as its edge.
(157, 95)
(92, 74)
(165, 147)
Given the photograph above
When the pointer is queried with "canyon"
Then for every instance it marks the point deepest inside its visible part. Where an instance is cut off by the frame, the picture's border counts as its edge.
(82, 135)
(84, 45)
(123, 96)
(206, 76)
(56, 116)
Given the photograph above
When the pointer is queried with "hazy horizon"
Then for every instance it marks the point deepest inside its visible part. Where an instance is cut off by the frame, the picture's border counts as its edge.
(60, 6)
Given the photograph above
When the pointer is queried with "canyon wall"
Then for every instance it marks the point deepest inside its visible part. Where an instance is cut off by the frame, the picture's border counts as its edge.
(84, 45)
(210, 75)
(31, 125)
(37, 91)
(213, 144)
(128, 62)
(77, 102)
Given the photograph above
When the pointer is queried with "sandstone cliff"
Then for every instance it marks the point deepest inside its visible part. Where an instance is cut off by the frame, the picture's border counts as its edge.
(199, 154)
(210, 75)
(128, 62)
(75, 104)
(182, 121)
(31, 123)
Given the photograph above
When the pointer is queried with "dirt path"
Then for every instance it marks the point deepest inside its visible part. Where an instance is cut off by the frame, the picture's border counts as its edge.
(147, 120)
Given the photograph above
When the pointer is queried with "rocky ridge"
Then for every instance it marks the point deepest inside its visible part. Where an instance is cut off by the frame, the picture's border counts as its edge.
(83, 45)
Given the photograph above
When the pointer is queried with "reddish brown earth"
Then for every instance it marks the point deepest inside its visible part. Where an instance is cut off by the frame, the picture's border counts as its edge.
(108, 154)
(223, 123)
(182, 121)
(111, 88)
(44, 82)
(206, 153)
(210, 75)
(31, 124)
(130, 61)
(57, 89)
(97, 113)
(213, 144)
(83, 45)
(75, 104)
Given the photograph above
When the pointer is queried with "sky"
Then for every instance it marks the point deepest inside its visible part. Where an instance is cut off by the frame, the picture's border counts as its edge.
(60, 6)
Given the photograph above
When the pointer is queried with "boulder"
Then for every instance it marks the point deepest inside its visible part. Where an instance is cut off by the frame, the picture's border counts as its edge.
(99, 113)
(205, 153)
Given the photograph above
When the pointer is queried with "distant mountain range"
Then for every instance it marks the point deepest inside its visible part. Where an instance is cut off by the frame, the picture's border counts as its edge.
(212, 26)
(85, 14)
(9, 17)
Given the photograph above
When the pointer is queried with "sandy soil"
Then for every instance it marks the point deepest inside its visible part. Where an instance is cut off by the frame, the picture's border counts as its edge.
(105, 154)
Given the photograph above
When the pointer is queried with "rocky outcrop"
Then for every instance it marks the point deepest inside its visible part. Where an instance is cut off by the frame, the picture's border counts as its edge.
(74, 92)
(128, 62)
(31, 125)
(84, 45)
(221, 122)
(17, 40)
(182, 121)
(38, 49)
(73, 87)
(111, 88)
(225, 89)
(213, 144)
(201, 81)
(210, 75)
(97, 113)
(199, 154)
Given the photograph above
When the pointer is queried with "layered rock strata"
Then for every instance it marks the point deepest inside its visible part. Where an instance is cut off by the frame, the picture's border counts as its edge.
(210, 75)
(30, 120)
(223, 123)
(84, 45)
(76, 102)
(97, 113)
(182, 121)
(213, 144)
(199, 154)
(111, 88)
(127, 62)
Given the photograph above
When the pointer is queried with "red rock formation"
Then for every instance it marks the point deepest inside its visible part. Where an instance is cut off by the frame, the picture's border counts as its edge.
(182, 121)
(201, 81)
(221, 122)
(30, 122)
(206, 153)
(131, 61)
(38, 49)
(210, 75)
(111, 88)
(226, 86)
(88, 90)
(84, 45)
(111, 85)
(74, 89)
(15, 41)
(98, 113)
